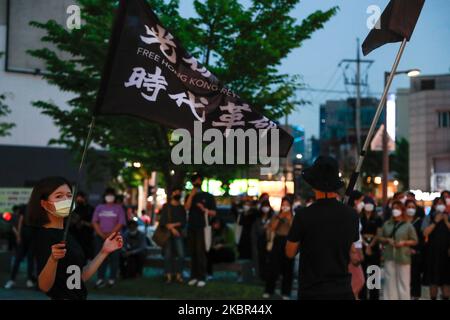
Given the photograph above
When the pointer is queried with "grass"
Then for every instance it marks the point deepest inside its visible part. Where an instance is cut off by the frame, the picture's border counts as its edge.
(152, 285)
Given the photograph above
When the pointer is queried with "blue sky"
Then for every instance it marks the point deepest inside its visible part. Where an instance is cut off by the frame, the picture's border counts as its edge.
(316, 61)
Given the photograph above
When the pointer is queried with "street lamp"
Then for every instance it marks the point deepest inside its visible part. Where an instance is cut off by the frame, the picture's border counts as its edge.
(410, 73)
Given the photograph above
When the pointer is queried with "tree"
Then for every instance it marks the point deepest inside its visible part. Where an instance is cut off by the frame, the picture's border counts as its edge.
(242, 46)
(5, 127)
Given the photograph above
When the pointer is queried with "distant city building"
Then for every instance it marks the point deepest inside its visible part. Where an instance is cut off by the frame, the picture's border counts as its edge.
(26, 156)
(429, 133)
(337, 126)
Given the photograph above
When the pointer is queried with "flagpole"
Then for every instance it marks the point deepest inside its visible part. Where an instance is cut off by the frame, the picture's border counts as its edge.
(355, 174)
(80, 168)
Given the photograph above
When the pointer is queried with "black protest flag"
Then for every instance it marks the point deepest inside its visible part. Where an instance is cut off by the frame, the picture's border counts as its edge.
(149, 75)
(395, 24)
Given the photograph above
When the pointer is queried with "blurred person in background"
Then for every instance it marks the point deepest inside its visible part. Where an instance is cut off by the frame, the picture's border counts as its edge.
(260, 231)
(133, 251)
(420, 211)
(223, 245)
(81, 225)
(246, 220)
(371, 225)
(236, 207)
(25, 236)
(446, 196)
(356, 255)
(173, 217)
(436, 232)
(108, 219)
(387, 212)
(414, 217)
(398, 236)
(278, 263)
(201, 206)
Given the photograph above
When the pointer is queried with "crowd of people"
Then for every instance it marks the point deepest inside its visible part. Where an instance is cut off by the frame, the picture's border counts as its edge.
(410, 245)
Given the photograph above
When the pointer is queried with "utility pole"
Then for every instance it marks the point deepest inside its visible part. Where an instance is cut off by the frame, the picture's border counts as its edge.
(357, 82)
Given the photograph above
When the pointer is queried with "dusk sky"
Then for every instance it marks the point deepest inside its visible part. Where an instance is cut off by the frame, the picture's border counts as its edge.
(317, 60)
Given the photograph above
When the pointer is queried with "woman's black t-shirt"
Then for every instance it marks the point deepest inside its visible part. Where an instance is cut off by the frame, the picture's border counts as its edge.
(45, 238)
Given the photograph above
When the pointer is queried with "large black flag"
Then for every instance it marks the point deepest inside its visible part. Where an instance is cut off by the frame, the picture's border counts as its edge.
(395, 24)
(148, 74)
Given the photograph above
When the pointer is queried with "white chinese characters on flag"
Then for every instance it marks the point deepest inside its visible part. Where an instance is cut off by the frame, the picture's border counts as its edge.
(148, 74)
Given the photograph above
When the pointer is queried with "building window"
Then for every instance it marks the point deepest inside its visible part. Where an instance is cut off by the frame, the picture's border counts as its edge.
(428, 84)
(444, 119)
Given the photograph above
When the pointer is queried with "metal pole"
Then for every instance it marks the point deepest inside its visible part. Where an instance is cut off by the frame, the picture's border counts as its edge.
(385, 151)
(380, 107)
(80, 168)
(358, 98)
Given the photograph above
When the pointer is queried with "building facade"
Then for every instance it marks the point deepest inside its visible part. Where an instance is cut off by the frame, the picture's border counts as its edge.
(429, 133)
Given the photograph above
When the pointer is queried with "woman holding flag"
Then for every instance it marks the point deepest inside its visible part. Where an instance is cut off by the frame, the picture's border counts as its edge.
(61, 265)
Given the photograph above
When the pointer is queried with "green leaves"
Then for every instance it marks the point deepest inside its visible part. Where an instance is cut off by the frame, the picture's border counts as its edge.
(242, 46)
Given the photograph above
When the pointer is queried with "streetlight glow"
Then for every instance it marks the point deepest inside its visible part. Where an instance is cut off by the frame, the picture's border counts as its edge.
(413, 73)
(299, 156)
(136, 164)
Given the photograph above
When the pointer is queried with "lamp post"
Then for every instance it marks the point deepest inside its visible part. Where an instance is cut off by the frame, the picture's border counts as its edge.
(411, 73)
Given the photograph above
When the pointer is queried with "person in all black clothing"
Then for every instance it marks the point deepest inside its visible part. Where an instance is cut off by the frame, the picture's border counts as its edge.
(324, 232)
(133, 251)
(223, 244)
(371, 225)
(246, 220)
(260, 230)
(62, 272)
(24, 249)
(413, 216)
(436, 231)
(200, 205)
(81, 225)
(173, 217)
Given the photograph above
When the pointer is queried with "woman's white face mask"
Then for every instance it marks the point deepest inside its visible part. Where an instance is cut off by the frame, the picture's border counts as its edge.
(62, 208)
(110, 198)
(411, 212)
(440, 208)
(265, 209)
(396, 212)
(369, 207)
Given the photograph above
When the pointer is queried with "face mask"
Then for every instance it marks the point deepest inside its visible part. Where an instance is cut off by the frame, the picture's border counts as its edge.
(368, 207)
(265, 209)
(308, 204)
(133, 233)
(447, 201)
(246, 208)
(360, 206)
(440, 208)
(297, 204)
(396, 213)
(110, 199)
(285, 209)
(411, 212)
(62, 208)
(403, 200)
(176, 197)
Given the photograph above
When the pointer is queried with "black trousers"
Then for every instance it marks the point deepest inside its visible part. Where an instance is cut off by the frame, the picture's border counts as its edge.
(279, 264)
(132, 266)
(372, 260)
(416, 275)
(196, 243)
(25, 250)
(219, 256)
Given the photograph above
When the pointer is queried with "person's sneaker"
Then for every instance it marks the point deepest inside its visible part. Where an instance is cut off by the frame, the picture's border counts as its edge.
(10, 284)
(285, 298)
(30, 284)
(192, 282)
(201, 284)
(111, 282)
(100, 284)
(266, 295)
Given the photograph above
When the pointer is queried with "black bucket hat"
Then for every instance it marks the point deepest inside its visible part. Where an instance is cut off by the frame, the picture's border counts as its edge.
(323, 175)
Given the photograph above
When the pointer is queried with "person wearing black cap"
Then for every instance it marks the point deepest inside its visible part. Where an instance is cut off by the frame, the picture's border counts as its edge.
(324, 232)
